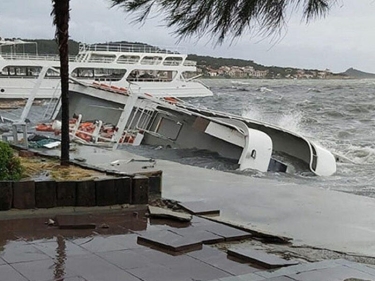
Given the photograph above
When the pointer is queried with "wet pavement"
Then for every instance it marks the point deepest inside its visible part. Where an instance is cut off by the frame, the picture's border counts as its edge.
(31, 250)
(315, 217)
(126, 244)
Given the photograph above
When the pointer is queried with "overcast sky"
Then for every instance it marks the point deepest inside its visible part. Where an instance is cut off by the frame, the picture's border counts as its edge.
(346, 38)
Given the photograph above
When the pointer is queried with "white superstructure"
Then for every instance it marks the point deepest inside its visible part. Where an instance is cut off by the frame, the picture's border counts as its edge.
(151, 70)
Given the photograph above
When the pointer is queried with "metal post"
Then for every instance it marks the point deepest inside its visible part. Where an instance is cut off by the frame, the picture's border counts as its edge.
(33, 93)
(24, 131)
(15, 133)
(125, 114)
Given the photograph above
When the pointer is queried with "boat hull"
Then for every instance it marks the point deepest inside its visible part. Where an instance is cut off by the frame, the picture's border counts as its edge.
(145, 70)
(254, 145)
(15, 88)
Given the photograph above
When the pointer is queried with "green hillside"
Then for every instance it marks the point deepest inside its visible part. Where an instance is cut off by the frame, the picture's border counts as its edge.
(44, 46)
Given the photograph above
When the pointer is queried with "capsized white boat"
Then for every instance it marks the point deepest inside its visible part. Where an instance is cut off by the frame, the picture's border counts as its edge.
(160, 72)
(144, 119)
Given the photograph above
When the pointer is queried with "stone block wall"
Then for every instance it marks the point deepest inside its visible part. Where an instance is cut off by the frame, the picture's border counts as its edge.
(30, 194)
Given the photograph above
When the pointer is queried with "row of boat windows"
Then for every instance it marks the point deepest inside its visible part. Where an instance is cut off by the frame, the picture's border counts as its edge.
(147, 60)
(98, 74)
(27, 71)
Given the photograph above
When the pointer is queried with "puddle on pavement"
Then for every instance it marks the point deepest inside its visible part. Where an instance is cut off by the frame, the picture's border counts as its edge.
(105, 224)
(42, 252)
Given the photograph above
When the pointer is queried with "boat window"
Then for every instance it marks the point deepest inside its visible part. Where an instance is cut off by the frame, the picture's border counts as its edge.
(128, 59)
(99, 74)
(169, 128)
(173, 61)
(151, 75)
(23, 71)
(34, 71)
(52, 73)
(102, 58)
(152, 60)
(191, 74)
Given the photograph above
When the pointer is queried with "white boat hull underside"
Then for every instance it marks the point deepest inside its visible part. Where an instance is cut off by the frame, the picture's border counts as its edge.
(16, 88)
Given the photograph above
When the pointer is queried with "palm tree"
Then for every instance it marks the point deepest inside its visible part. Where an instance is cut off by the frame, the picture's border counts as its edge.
(61, 17)
(221, 18)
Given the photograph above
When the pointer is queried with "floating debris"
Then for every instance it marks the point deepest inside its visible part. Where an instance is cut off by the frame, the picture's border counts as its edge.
(50, 222)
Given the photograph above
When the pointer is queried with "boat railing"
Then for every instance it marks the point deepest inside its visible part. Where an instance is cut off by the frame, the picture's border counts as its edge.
(172, 63)
(130, 48)
(132, 79)
(150, 62)
(190, 63)
(102, 60)
(127, 60)
(24, 56)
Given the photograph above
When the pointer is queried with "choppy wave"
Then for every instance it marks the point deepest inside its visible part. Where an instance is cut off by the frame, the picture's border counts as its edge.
(264, 89)
(314, 90)
(360, 155)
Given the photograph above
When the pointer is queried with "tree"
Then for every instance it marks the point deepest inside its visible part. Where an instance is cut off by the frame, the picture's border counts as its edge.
(10, 166)
(61, 17)
(221, 18)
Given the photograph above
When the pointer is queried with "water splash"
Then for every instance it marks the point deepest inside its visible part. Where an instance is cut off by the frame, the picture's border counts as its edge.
(291, 121)
(254, 114)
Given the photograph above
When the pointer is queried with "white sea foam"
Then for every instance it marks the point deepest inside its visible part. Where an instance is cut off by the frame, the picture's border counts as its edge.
(361, 155)
(264, 89)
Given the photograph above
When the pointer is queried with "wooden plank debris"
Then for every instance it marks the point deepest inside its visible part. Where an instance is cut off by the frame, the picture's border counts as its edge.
(260, 258)
(158, 212)
(200, 208)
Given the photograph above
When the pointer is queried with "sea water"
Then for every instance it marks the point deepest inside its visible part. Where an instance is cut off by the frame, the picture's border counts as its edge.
(337, 114)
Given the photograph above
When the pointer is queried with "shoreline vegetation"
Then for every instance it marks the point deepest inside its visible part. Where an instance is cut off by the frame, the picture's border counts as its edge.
(216, 68)
(21, 165)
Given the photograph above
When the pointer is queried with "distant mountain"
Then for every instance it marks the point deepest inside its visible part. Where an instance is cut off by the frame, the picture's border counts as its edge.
(354, 73)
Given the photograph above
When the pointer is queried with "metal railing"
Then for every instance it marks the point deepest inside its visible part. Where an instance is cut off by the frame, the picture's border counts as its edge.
(132, 48)
(25, 56)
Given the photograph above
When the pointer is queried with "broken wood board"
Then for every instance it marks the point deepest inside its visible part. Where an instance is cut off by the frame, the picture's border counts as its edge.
(200, 208)
(158, 212)
(260, 258)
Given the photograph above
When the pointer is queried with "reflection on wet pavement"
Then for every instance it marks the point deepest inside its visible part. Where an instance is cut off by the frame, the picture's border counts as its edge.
(59, 271)
(31, 249)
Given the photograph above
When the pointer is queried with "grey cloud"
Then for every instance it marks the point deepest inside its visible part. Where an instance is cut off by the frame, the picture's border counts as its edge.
(344, 39)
